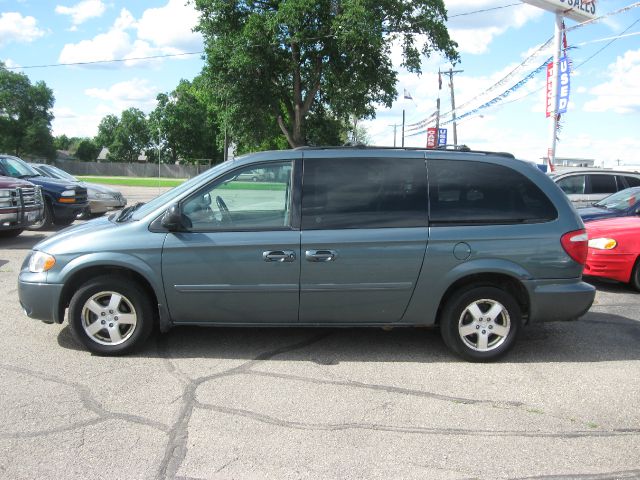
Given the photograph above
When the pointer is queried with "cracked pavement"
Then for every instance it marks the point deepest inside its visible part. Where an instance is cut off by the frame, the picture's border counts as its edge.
(225, 403)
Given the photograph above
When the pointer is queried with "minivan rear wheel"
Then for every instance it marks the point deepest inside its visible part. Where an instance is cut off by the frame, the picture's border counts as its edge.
(480, 324)
(110, 315)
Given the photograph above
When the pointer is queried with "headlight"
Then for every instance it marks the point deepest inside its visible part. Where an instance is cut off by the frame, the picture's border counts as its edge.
(68, 193)
(5, 193)
(603, 243)
(41, 262)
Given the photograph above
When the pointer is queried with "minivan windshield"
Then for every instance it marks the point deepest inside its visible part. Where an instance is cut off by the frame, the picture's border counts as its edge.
(620, 201)
(166, 198)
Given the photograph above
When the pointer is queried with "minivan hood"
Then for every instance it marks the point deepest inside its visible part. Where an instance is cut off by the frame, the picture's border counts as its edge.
(77, 237)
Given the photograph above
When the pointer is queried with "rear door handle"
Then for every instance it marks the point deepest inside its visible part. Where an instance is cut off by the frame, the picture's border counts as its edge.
(279, 256)
(320, 255)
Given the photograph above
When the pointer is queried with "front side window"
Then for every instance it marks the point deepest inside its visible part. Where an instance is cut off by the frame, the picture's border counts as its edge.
(470, 193)
(239, 201)
(346, 193)
(572, 185)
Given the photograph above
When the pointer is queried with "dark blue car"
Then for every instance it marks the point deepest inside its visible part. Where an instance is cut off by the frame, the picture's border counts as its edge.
(621, 204)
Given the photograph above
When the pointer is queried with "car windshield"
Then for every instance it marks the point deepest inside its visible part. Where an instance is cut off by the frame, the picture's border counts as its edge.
(16, 168)
(620, 201)
(55, 172)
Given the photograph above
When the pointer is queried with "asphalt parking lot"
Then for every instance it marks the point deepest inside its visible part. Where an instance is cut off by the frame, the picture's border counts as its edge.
(327, 403)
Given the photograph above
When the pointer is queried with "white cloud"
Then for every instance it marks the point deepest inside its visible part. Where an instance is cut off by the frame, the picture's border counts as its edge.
(16, 28)
(160, 31)
(171, 26)
(620, 93)
(82, 11)
(73, 124)
(136, 93)
(474, 33)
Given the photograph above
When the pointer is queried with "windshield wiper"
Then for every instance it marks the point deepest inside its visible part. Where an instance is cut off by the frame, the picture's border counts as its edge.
(126, 213)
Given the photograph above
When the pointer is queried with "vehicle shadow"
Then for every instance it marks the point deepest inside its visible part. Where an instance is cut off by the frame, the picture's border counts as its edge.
(23, 241)
(610, 286)
(596, 337)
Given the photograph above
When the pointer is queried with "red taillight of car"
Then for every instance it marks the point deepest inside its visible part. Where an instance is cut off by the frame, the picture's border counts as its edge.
(575, 244)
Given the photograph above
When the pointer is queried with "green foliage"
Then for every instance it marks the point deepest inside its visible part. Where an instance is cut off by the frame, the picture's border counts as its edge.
(107, 131)
(285, 63)
(125, 137)
(185, 124)
(62, 142)
(87, 150)
(25, 115)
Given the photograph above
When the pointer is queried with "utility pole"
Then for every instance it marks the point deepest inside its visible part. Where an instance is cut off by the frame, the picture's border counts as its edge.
(403, 128)
(438, 103)
(395, 129)
(453, 105)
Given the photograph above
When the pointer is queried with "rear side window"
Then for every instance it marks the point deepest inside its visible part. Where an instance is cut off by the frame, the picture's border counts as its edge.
(467, 193)
(632, 181)
(343, 193)
(603, 183)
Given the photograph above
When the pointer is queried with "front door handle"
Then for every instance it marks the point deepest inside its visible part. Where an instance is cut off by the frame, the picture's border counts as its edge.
(279, 256)
(320, 255)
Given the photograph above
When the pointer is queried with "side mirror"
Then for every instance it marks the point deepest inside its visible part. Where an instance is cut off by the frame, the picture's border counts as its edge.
(637, 211)
(174, 220)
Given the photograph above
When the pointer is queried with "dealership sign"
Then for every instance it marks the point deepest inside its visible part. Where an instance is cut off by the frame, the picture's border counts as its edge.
(563, 80)
(442, 137)
(578, 10)
(432, 135)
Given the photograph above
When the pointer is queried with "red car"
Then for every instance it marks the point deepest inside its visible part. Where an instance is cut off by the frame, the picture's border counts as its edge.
(614, 249)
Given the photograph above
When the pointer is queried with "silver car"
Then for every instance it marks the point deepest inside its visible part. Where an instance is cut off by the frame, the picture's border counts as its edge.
(102, 199)
(585, 186)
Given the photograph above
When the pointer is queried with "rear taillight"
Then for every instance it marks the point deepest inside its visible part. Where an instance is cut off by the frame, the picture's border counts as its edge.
(575, 244)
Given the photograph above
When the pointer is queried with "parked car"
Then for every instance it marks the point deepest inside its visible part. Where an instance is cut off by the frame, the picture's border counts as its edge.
(257, 175)
(102, 199)
(63, 199)
(21, 206)
(589, 185)
(340, 241)
(625, 203)
(614, 250)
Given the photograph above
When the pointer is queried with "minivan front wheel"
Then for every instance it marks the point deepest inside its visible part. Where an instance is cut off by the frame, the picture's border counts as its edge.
(481, 324)
(110, 315)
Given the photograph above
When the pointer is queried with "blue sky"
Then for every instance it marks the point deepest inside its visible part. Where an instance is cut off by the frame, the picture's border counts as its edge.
(602, 122)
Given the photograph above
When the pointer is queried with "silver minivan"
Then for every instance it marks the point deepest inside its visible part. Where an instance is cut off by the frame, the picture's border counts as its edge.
(474, 243)
(586, 186)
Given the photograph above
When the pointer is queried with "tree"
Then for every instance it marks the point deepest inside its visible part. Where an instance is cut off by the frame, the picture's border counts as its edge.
(131, 136)
(25, 115)
(275, 61)
(185, 124)
(87, 150)
(62, 142)
(107, 131)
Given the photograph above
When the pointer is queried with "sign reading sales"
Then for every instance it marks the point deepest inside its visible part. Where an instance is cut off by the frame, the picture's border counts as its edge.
(564, 87)
(578, 10)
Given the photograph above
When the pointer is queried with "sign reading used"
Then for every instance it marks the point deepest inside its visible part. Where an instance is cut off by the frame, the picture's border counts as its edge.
(564, 84)
(442, 136)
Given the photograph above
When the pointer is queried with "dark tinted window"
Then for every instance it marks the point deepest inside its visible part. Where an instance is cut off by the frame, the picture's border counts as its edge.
(364, 193)
(632, 181)
(464, 192)
(603, 183)
(573, 184)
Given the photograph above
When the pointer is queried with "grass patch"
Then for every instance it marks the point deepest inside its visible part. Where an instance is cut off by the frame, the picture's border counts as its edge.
(134, 182)
(174, 182)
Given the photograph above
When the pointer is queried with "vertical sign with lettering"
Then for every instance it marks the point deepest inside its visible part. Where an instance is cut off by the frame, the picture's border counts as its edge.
(564, 84)
(442, 137)
(432, 135)
(550, 95)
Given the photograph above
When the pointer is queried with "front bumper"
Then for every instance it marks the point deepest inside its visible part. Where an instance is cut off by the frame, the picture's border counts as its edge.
(559, 299)
(616, 266)
(102, 205)
(40, 301)
(19, 219)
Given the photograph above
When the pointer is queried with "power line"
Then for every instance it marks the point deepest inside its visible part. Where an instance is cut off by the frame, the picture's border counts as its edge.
(484, 10)
(94, 62)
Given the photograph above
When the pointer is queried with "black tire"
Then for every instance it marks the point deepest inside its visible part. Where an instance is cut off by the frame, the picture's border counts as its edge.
(63, 222)
(487, 344)
(47, 219)
(108, 318)
(11, 233)
(635, 275)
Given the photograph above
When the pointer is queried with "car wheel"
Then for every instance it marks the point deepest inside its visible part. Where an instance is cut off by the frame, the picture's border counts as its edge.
(635, 275)
(480, 324)
(47, 219)
(110, 315)
(11, 233)
(64, 221)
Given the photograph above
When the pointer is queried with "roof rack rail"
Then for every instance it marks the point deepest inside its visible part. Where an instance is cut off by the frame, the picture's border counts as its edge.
(448, 148)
